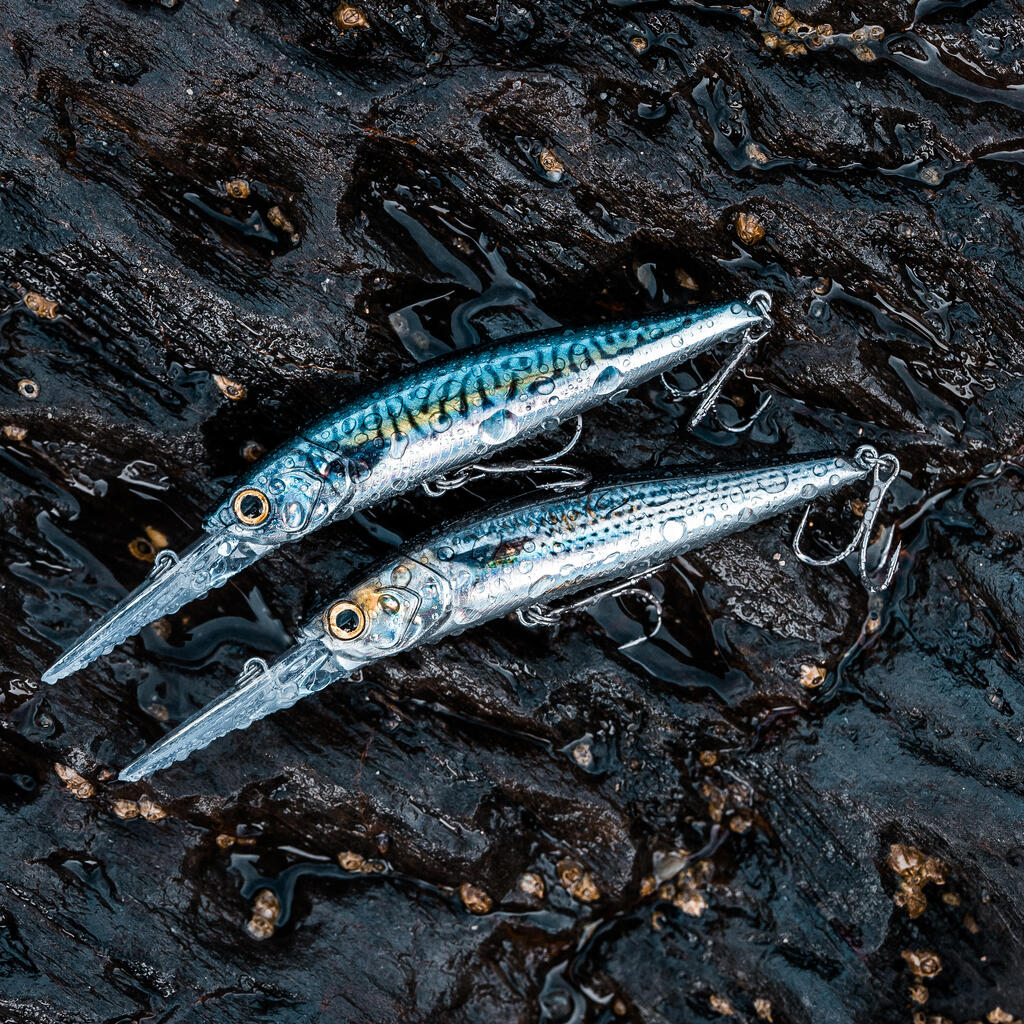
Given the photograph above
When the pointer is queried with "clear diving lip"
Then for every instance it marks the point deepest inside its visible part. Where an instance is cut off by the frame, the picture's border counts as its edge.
(174, 581)
(303, 670)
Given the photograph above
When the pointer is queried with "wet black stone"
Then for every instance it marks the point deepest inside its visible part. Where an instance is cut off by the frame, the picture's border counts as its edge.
(404, 196)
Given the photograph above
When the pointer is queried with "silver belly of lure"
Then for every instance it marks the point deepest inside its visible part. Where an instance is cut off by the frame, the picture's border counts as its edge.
(446, 417)
(521, 558)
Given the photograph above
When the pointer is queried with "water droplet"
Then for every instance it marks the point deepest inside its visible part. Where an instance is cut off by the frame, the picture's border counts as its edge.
(772, 483)
(542, 386)
(372, 422)
(499, 427)
(735, 308)
(834, 480)
(709, 519)
(820, 469)
(673, 530)
(445, 553)
(399, 443)
(607, 380)
(808, 491)
(441, 422)
(390, 604)
(400, 575)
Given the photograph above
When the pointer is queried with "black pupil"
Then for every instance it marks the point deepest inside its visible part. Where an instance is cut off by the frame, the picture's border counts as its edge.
(347, 621)
(251, 507)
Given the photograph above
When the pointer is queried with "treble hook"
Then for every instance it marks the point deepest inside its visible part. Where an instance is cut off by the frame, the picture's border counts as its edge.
(885, 469)
(711, 389)
(549, 615)
(571, 476)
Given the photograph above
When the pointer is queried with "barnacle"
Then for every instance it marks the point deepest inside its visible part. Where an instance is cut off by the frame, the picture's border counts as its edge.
(229, 388)
(77, 785)
(40, 305)
(348, 17)
(749, 228)
(475, 899)
(532, 884)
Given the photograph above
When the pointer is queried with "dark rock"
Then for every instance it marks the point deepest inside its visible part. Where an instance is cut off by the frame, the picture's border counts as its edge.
(430, 176)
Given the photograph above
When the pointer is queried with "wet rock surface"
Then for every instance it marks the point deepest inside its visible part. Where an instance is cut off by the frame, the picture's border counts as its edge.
(217, 217)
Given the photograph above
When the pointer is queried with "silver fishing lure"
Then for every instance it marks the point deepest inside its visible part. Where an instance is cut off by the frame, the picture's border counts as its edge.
(518, 560)
(443, 418)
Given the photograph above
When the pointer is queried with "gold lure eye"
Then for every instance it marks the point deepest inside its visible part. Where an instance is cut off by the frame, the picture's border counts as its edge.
(251, 506)
(345, 620)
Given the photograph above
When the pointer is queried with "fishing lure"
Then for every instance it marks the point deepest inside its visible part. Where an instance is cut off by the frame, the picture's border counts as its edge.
(442, 418)
(518, 560)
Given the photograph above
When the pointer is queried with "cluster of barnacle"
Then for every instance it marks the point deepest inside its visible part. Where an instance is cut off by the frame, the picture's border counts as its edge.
(81, 788)
(360, 865)
(572, 876)
(862, 39)
(793, 37)
(266, 909)
(730, 802)
(687, 891)
(577, 881)
(915, 871)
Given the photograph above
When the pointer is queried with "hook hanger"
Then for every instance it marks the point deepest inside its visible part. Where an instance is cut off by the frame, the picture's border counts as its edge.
(884, 469)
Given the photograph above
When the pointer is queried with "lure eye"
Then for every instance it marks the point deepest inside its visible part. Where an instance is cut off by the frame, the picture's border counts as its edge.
(251, 506)
(345, 620)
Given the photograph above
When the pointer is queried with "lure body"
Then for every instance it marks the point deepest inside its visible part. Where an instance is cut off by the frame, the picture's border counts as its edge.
(461, 409)
(537, 552)
(445, 415)
(493, 564)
